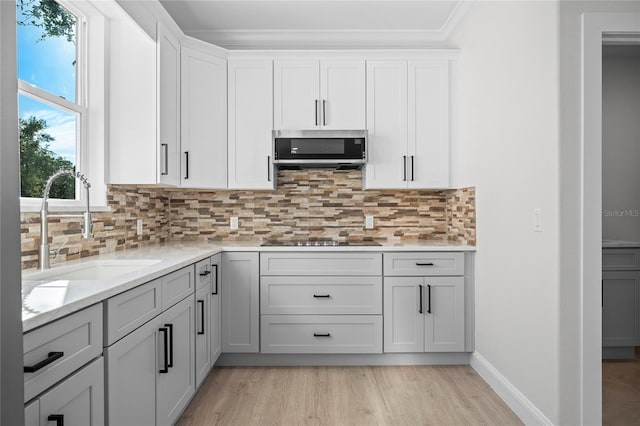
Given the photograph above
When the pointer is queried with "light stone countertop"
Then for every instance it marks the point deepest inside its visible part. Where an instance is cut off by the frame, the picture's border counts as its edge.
(44, 300)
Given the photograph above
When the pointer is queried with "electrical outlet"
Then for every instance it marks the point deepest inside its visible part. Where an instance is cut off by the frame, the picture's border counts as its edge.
(368, 222)
(233, 224)
(139, 227)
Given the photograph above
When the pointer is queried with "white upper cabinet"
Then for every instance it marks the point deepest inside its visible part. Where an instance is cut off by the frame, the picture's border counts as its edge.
(387, 124)
(168, 58)
(428, 117)
(203, 120)
(409, 122)
(250, 113)
(311, 94)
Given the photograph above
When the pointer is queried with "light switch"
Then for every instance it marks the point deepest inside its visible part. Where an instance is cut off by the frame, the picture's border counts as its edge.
(537, 220)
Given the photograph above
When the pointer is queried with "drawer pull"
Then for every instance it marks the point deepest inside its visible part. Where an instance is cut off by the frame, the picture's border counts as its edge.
(58, 418)
(51, 357)
(322, 296)
(321, 334)
(165, 370)
(205, 273)
(424, 263)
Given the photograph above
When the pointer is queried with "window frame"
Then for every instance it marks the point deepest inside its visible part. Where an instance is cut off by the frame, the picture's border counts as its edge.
(89, 109)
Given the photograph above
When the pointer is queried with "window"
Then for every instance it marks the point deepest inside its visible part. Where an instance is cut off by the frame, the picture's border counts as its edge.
(51, 109)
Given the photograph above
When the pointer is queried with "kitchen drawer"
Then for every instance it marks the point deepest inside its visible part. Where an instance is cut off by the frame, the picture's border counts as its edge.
(203, 273)
(78, 337)
(423, 264)
(621, 259)
(178, 285)
(320, 295)
(131, 309)
(328, 263)
(309, 334)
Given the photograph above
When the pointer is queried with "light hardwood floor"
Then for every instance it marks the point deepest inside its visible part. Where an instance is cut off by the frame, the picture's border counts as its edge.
(621, 392)
(402, 395)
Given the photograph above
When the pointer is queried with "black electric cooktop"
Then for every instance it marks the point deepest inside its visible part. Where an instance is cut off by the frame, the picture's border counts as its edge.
(318, 243)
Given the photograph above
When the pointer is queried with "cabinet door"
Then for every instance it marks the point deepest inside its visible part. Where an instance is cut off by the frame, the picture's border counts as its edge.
(203, 120)
(444, 314)
(342, 95)
(428, 119)
(250, 114)
(403, 320)
(177, 386)
(79, 399)
(214, 302)
(387, 125)
(131, 376)
(240, 310)
(203, 334)
(168, 106)
(620, 308)
(296, 88)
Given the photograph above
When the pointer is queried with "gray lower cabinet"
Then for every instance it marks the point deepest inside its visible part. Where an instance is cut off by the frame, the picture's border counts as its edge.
(424, 314)
(215, 327)
(150, 372)
(240, 310)
(76, 401)
(203, 330)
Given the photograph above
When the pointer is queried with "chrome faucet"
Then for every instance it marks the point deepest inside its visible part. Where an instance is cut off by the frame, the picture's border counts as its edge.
(44, 215)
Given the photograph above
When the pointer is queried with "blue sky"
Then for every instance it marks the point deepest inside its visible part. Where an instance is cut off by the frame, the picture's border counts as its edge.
(48, 64)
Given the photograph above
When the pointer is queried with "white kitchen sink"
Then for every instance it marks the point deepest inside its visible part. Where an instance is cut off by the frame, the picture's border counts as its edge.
(90, 270)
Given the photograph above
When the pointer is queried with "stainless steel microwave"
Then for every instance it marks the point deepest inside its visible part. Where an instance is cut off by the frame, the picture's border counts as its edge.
(319, 148)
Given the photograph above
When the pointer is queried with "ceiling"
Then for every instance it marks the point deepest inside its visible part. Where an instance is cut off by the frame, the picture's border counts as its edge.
(243, 24)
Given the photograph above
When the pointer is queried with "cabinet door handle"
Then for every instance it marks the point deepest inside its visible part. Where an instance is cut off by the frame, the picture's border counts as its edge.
(404, 168)
(51, 357)
(429, 298)
(58, 418)
(205, 273)
(165, 163)
(201, 303)
(165, 346)
(268, 168)
(322, 296)
(186, 163)
(216, 279)
(420, 297)
(321, 334)
(316, 118)
(170, 331)
(324, 112)
(424, 263)
(412, 169)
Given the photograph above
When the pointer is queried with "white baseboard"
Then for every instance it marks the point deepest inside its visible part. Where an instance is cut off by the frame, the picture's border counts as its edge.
(521, 406)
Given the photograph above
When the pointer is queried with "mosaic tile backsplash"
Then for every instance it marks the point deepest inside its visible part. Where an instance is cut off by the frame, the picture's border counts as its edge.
(313, 203)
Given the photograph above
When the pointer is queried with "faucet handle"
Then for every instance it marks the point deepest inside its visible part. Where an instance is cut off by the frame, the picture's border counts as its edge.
(54, 252)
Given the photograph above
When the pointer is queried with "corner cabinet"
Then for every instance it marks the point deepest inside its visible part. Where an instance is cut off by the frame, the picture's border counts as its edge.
(409, 119)
(424, 302)
(326, 94)
(240, 310)
(203, 119)
(250, 115)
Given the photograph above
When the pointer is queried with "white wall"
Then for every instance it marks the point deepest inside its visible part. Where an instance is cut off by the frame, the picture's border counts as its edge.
(621, 142)
(509, 96)
(11, 375)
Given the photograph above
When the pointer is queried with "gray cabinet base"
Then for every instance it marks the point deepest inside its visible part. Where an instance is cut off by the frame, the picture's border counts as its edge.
(618, 352)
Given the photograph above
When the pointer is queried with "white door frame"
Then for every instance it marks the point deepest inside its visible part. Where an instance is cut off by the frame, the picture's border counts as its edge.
(594, 25)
